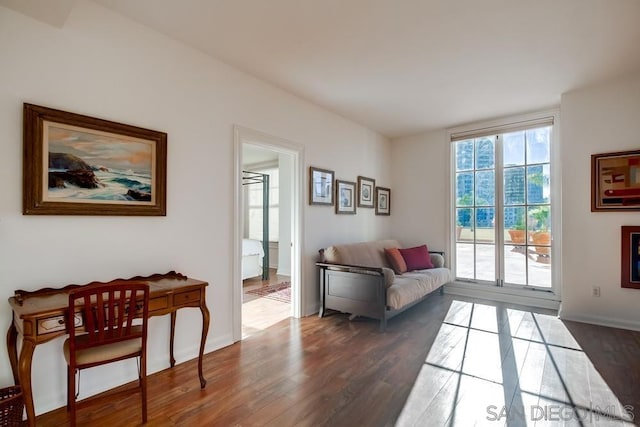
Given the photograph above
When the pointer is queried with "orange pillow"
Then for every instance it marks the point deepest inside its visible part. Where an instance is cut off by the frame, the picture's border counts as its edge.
(396, 260)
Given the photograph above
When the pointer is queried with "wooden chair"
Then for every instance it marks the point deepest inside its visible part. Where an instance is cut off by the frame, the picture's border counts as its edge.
(107, 311)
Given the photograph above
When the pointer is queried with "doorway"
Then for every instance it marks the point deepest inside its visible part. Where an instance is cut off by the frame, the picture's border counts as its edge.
(267, 243)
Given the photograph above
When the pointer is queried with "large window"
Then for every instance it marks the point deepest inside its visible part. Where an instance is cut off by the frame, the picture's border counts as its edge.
(502, 188)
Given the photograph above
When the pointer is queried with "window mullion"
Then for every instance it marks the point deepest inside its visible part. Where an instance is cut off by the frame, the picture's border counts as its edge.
(499, 211)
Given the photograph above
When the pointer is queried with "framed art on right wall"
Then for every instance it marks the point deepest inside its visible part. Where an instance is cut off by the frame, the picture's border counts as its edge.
(383, 201)
(615, 181)
(630, 277)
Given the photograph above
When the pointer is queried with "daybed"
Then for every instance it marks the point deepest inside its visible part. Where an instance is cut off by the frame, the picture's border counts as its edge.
(359, 278)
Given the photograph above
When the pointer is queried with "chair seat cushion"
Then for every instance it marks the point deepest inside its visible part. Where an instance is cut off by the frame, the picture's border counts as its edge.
(105, 352)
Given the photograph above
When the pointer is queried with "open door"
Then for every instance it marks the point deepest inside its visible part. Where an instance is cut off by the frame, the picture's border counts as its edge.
(268, 175)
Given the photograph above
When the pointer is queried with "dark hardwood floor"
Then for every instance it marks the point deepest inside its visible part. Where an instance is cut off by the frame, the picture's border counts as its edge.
(449, 361)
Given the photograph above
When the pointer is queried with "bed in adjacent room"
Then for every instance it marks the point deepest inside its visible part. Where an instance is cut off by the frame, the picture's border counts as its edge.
(252, 253)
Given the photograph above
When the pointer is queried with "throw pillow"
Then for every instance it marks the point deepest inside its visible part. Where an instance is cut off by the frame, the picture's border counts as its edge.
(417, 258)
(396, 260)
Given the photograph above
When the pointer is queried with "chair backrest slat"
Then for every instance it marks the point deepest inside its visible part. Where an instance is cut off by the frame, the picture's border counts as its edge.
(108, 311)
(89, 318)
(99, 313)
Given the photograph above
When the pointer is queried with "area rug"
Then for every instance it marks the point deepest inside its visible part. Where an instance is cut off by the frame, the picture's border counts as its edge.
(280, 292)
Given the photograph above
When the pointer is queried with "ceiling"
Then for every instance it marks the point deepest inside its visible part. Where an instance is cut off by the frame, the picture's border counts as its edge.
(401, 67)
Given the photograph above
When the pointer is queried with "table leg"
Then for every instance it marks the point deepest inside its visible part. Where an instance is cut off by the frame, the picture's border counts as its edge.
(172, 360)
(24, 367)
(12, 348)
(205, 331)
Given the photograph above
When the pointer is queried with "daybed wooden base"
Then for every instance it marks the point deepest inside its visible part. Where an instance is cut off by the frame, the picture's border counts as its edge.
(359, 291)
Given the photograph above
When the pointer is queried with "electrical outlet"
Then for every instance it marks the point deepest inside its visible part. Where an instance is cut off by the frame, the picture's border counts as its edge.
(596, 291)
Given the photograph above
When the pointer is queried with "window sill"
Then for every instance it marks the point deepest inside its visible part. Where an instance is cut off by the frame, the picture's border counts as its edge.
(531, 297)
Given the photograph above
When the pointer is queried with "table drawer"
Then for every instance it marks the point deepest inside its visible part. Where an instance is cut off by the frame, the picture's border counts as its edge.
(189, 297)
(53, 324)
(158, 303)
(155, 304)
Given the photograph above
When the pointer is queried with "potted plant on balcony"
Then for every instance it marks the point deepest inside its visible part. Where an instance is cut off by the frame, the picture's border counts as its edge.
(517, 232)
(540, 235)
(464, 213)
(459, 227)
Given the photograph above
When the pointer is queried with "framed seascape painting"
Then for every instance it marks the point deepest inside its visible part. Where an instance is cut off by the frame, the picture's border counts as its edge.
(320, 186)
(346, 197)
(630, 277)
(366, 192)
(80, 165)
(615, 181)
(383, 201)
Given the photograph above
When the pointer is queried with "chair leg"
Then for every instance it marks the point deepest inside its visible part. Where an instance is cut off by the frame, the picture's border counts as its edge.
(71, 395)
(68, 388)
(142, 383)
(144, 392)
(141, 362)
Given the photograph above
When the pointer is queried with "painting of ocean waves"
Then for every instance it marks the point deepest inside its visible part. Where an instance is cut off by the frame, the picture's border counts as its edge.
(121, 185)
(94, 167)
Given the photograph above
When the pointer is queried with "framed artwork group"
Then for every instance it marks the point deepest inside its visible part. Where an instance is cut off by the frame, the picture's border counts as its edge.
(324, 189)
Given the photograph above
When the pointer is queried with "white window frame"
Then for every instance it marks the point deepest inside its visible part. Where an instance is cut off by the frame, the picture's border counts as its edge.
(518, 294)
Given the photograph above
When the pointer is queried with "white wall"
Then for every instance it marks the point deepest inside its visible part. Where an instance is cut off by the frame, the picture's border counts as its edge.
(106, 66)
(420, 193)
(599, 119)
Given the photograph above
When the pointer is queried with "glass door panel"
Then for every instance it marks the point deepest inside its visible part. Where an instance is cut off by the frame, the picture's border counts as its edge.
(503, 207)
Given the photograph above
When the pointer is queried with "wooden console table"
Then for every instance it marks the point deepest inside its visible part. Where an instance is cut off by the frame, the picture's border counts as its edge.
(39, 316)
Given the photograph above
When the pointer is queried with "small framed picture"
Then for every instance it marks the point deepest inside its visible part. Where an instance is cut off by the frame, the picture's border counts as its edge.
(345, 196)
(320, 186)
(383, 201)
(630, 257)
(366, 192)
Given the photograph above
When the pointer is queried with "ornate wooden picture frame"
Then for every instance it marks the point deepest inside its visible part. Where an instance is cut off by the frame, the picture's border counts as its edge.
(79, 165)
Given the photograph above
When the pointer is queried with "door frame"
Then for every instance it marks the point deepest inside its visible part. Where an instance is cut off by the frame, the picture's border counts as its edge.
(241, 136)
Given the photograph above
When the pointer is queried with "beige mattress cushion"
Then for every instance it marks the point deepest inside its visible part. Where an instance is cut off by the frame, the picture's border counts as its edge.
(413, 285)
(367, 254)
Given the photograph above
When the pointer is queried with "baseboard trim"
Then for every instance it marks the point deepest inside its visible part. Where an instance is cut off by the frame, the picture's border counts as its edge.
(601, 321)
(218, 343)
(546, 300)
(311, 310)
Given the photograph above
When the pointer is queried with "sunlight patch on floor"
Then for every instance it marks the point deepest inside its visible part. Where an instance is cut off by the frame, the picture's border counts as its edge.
(262, 313)
(504, 367)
